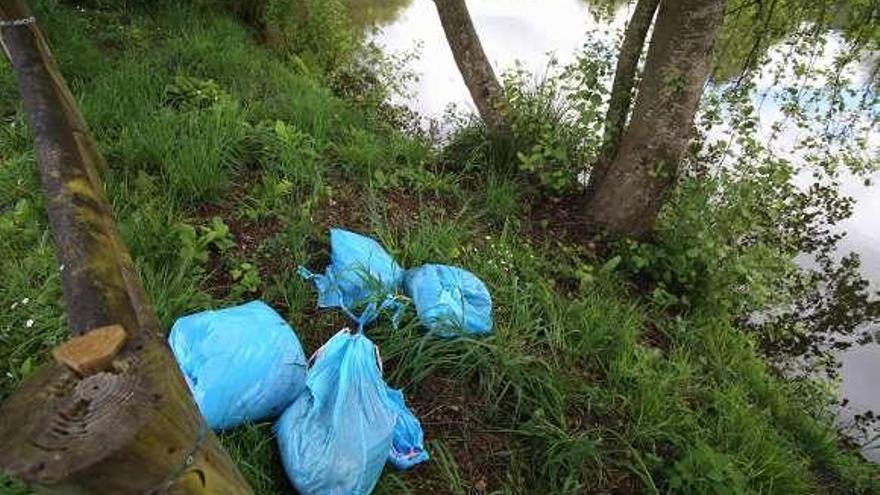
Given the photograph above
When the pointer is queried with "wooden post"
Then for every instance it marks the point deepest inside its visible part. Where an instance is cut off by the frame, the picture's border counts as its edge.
(114, 415)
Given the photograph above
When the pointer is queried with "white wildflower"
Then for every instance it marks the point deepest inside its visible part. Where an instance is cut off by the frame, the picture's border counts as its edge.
(29, 323)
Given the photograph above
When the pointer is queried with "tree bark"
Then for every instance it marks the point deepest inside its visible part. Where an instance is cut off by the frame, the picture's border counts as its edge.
(486, 91)
(622, 88)
(628, 198)
(129, 426)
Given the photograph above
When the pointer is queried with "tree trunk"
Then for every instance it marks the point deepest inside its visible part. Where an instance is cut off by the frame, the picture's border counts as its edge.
(486, 91)
(629, 196)
(127, 424)
(622, 88)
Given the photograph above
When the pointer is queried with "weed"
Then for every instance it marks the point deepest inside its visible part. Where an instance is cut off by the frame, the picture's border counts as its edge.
(189, 93)
(290, 155)
(703, 470)
(246, 280)
(502, 200)
(196, 245)
(268, 198)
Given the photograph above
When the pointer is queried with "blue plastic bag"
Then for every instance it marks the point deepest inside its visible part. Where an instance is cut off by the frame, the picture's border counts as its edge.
(361, 274)
(335, 438)
(408, 441)
(449, 299)
(242, 363)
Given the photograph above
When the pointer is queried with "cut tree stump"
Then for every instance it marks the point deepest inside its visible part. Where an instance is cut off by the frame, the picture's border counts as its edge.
(117, 416)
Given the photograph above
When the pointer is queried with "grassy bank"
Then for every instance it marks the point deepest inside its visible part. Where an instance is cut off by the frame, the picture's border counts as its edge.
(228, 164)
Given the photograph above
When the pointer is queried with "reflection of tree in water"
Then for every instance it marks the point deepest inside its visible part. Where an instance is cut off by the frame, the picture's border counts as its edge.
(835, 312)
(365, 13)
(751, 27)
(815, 64)
(380, 13)
(835, 307)
(838, 313)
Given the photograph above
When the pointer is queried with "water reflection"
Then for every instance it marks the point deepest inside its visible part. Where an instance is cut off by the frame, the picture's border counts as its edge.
(527, 31)
(510, 30)
(366, 13)
(861, 365)
(379, 13)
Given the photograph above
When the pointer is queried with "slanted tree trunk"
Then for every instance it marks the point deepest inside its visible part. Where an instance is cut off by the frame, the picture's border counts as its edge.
(122, 421)
(486, 91)
(622, 88)
(629, 196)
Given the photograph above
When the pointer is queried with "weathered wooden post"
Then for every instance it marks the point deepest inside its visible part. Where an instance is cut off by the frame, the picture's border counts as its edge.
(112, 415)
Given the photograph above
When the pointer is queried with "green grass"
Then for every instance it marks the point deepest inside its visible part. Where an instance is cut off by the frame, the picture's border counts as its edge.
(577, 391)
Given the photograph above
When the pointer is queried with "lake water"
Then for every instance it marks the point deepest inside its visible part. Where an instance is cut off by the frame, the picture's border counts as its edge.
(527, 32)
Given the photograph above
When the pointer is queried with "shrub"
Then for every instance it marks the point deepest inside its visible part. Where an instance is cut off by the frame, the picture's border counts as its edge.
(318, 31)
(710, 252)
(704, 470)
(555, 123)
